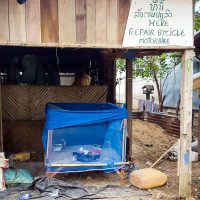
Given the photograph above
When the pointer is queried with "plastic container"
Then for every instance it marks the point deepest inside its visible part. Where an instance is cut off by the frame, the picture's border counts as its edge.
(24, 196)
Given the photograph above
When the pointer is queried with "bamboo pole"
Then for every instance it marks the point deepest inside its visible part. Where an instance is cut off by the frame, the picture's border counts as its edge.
(162, 156)
(199, 133)
(49, 144)
(178, 161)
(79, 165)
(87, 164)
(124, 138)
(121, 163)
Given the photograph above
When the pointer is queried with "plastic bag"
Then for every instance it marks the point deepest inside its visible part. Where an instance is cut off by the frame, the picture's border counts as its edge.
(18, 176)
(3, 164)
(147, 178)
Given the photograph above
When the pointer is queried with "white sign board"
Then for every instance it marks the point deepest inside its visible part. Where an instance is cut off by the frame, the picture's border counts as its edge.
(159, 23)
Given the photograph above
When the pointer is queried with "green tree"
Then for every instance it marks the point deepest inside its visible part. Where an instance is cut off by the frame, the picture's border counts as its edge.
(197, 19)
(197, 23)
(156, 68)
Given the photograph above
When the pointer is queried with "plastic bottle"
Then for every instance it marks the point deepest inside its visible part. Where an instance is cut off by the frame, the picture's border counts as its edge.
(24, 197)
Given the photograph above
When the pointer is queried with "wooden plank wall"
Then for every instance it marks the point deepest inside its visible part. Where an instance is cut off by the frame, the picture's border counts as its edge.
(17, 27)
(4, 25)
(49, 21)
(65, 23)
(33, 23)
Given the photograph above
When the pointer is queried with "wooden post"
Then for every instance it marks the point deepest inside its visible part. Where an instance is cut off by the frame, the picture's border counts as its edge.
(199, 133)
(152, 103)
(110, 78)
(129, 70)
(114, 81)
(178, 105)
(186, 125)
(1, 119)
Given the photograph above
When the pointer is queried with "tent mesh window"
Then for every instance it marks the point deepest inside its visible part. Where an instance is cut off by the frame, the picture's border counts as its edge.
(84, 137)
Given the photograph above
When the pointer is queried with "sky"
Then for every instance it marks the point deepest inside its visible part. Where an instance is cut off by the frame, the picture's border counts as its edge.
(197, 7)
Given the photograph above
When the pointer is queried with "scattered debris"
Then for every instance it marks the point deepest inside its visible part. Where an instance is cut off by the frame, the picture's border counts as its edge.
(159, 195)
(52, 188)
(196, 181)
(131, 167)
(173, 153)
(21, 156)
(148, 163)
(24, 197)
(163, 155)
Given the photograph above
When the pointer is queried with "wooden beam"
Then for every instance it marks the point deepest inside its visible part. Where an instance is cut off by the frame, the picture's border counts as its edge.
(139, 54)
(129, 102)
(97, 46)
(109, 77)
(186, 124)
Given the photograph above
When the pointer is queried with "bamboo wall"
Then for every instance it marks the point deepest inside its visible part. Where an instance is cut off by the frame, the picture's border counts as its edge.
(65, 23)
(24, 111)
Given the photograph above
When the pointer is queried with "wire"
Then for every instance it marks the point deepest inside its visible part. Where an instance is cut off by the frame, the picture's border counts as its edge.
(57, 60)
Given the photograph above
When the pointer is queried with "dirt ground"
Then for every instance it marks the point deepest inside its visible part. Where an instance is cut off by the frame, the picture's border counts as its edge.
(149, 143)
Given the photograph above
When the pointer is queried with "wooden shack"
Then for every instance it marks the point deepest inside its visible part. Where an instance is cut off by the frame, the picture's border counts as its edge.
(116, 28)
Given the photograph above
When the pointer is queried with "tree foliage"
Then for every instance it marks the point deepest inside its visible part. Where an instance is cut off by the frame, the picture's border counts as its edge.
(156, 68)
(197, 19)
(197, 23)
(162, 65)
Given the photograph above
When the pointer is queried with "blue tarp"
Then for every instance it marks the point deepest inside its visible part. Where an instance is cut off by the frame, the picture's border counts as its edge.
(172, 87)
(60, 115)
(85, 126)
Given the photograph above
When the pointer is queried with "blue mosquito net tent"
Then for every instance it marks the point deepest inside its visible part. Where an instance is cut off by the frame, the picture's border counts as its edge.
(84, 137)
